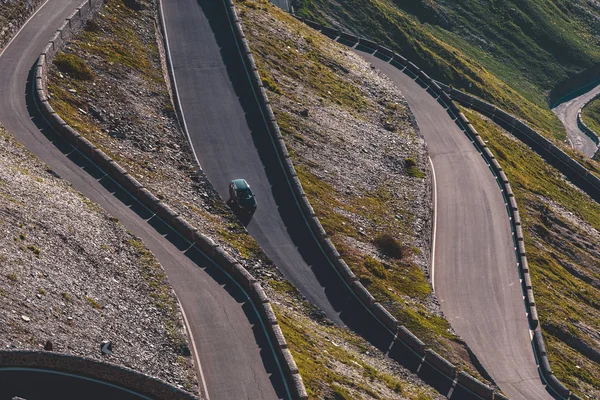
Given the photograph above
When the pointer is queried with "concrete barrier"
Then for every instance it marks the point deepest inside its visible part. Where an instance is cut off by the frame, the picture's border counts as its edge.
(331, 32)
(500, 396)
(368, 44)
(411, 340)
(385, 51)
(349, 38)
(385, 316)
(474, 385)
(439, 362)
(86, 367)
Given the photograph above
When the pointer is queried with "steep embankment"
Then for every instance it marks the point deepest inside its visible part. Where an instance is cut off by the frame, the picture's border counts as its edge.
(71, 276)
(360, 161)
(511, 53)
(109, 85)
(561, 227)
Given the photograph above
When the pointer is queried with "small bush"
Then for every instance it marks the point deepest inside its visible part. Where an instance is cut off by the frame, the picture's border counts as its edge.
(412, 170)
(66, 296)
(92, 26)
(409, 163)
(74, 66)
(389, 246)
(416, 172)
(12, 276)
(93, 303)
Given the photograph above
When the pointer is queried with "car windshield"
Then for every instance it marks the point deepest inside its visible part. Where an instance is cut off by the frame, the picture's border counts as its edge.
(245, 194)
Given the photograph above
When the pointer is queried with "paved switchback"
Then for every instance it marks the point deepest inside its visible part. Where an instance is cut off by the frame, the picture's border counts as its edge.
(567, 113)
(236, 359)
(231, 141)
(476, 276)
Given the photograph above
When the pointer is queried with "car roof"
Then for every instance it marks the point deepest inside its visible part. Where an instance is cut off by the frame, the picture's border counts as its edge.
(240, 184)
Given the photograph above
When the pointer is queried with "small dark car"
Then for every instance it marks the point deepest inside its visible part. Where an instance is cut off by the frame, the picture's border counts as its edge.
(241, 194)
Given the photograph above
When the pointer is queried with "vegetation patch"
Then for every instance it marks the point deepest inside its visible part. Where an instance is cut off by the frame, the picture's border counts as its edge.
(74, 66)
(343, 126)
(495, 51)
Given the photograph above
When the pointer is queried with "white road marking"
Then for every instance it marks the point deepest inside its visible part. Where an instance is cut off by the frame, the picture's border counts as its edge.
(195, 351)
(434, 224)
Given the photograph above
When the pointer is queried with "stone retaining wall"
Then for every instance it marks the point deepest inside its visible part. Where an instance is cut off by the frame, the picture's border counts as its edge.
(86, 367)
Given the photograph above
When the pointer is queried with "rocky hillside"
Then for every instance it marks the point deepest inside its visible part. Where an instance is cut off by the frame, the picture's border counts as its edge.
(72, 276)
(509, 52)
(361, 161)
(109, 85)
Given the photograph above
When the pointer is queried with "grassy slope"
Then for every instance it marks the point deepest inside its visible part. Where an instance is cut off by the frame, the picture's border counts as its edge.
(399, 284)
(591, 115)
(510, 53)
(561, 234)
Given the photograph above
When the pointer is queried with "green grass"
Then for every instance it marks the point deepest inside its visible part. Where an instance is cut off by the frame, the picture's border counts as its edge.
(511, 53)
(323, 362)
(74, 66)
(591, 115)
(564, 264)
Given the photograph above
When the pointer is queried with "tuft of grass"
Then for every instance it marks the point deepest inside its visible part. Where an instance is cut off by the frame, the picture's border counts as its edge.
(74, 66)
(66, 296)
(12, 276)
(93, 303)
(34, 249)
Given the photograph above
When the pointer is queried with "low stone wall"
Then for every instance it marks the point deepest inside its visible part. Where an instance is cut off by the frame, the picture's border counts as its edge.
(223, 259)
(86, 367)
(578, 174)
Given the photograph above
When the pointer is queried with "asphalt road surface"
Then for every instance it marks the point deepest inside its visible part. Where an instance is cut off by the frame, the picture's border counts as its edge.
(237, 361)
(567, 113)
(476, 275)
(37, 384)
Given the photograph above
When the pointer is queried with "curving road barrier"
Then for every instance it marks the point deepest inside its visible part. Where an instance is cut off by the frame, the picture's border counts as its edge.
(87, 368)
(578, 174)
(444, 95)
(224, 260)
(586, 129)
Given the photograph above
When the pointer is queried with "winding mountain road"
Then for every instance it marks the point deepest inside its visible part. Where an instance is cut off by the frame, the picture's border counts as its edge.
(476, 275)
(237, 360)
(567, 113)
